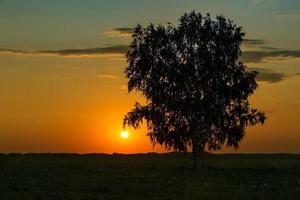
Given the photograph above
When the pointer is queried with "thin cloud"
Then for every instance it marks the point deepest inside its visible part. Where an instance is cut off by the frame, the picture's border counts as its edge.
(261, 52)
(120, 32)
(289, 16)
(107, 76)
(258, 44)
(14, 51)
(268, 75)
(268, 48)
(261, 2)
(261, 56)
(124, 30)
(251, 42)
(119, 50)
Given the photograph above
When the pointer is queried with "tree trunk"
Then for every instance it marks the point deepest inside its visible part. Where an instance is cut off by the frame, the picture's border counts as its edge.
(195, 151)
(202, 154)
(198, 151)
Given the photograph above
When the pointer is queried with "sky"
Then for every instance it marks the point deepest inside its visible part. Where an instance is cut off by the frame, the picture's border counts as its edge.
(62, 87)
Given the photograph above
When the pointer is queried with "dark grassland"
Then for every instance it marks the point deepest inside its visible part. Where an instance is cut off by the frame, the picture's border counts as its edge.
(149, 176)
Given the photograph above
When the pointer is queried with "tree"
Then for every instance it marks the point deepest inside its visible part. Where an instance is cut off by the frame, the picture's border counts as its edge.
(196, 89)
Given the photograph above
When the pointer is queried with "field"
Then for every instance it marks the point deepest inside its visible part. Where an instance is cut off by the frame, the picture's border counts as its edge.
(148, 176)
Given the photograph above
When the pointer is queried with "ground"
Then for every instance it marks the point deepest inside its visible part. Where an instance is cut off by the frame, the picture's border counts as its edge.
(148, 176)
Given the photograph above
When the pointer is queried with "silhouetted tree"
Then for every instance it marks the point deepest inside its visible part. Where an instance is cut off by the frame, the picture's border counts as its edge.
(196, 90)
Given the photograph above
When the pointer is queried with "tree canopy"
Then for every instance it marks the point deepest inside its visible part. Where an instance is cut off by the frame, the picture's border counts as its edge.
(196, 89)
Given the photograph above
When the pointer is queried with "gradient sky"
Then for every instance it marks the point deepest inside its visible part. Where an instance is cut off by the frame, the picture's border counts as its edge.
(61, 62)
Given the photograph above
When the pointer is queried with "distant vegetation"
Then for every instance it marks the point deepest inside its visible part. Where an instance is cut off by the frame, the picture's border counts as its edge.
(149, 176)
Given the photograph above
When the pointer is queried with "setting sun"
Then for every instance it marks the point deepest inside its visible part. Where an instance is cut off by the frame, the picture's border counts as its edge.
(139, 99)
(124, 134)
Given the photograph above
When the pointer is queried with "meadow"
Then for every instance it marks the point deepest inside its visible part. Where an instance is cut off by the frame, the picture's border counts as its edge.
(149, 176)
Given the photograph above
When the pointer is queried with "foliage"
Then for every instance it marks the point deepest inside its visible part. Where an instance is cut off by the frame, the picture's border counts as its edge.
(196, 90)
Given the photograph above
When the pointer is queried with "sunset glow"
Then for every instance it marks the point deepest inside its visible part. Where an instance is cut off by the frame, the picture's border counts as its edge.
(62, 81)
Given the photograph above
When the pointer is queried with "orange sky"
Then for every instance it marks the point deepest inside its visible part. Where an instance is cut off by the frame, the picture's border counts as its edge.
(51, 102)
(73, 107)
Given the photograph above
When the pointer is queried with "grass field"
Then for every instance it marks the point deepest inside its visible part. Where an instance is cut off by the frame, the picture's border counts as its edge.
(149, 176)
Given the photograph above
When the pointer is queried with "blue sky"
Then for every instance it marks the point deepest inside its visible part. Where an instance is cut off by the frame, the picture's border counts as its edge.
(44, 24)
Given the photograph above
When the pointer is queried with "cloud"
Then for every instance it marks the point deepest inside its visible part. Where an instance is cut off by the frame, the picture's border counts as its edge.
(268, 75)
(118, 50)
(121, 49)
(258, 44)
(268, 48)
(259, 2)
(107, 76)
(120, 32)
(260, 56)
(261, 52)
(124, 30)
(13, 51)
(289, 16)
(250, 42)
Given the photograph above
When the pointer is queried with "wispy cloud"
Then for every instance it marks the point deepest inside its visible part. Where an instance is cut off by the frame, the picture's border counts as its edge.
(100, 51)
(268, 75)
(119, 51)
(120, 32)
(268, 48)
(107, 76)
(289, 16)
(257, 44)
(14, 51)
(259, 2)
(251, 42)
(261, 56)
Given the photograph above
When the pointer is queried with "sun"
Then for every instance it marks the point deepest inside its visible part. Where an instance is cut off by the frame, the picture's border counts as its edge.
(124, 134)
